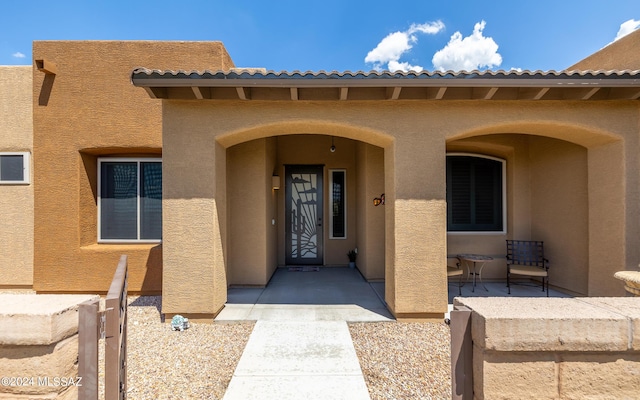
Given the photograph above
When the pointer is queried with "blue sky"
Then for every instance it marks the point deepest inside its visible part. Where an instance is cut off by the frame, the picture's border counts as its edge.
(338, 35)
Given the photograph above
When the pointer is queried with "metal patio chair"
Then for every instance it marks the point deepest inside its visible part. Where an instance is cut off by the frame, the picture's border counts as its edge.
(526, 258)
(456, 271)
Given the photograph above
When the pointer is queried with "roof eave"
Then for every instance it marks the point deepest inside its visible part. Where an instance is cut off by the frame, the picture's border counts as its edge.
(170, 81)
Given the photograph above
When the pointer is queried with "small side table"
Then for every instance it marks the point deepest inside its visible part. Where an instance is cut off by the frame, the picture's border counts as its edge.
(475, 263)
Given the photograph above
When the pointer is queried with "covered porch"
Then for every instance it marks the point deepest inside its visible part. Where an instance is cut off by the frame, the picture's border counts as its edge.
(411, 122)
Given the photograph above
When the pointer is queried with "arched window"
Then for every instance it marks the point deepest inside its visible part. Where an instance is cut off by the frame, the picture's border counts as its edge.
(475, 193)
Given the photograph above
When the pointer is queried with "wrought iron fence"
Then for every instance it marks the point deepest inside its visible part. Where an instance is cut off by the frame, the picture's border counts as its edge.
(109, 324)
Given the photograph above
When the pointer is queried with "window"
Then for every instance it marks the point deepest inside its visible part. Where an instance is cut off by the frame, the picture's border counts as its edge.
(475, 194)
(338, 193)
(129, 200)
(14, 168)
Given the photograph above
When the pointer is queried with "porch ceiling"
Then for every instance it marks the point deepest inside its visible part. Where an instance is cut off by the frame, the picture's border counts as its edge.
(258, 84)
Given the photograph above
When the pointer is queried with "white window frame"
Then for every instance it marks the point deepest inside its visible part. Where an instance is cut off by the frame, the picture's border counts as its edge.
(26, 167)
(504, 196)
(137, 160)
(330, 202)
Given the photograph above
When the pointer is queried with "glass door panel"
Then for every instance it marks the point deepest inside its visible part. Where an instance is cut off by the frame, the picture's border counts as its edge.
(303, 209)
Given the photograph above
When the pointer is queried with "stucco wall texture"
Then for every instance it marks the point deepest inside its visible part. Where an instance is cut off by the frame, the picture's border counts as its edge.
(619, 55)
(16, 200)
(571, 180)
(557, 154)
(86, 110)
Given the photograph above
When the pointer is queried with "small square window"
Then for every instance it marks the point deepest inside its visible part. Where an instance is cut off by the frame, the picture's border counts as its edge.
(14, 168)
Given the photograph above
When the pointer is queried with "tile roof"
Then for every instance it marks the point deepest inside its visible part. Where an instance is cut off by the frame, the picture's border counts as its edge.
(257, 73)
(260, 84)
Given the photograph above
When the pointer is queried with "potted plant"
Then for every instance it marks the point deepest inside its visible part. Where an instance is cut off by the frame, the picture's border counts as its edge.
(352, 254)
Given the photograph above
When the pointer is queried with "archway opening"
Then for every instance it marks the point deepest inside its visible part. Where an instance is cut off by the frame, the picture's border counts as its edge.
(307, 217)
(551, 191)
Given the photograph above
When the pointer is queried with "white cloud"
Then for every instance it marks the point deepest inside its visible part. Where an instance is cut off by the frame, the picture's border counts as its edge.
(472, 52)
(18, 55)
(394, 45)
(403, 66)
(626, 28)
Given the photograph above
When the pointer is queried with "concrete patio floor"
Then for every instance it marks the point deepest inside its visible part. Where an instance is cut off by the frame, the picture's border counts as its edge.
(499, 289)
(329, 294)
(339, 294)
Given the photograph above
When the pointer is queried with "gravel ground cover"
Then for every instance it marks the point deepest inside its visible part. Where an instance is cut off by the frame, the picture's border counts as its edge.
(399, 360)
(404, 360)
(197, 363)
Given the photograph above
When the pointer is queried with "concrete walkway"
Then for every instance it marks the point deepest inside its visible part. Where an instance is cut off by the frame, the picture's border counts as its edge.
(298, 360)
(301, 347)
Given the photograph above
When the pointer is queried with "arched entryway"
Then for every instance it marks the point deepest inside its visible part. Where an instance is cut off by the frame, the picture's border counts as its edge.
(292, 200)
(561, 185)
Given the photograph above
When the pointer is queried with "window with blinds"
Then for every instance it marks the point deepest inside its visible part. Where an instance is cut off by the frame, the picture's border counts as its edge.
(475, 187)
(130, 200)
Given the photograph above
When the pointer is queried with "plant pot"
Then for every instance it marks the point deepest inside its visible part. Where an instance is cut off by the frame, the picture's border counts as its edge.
(631, 281)
(352, 264)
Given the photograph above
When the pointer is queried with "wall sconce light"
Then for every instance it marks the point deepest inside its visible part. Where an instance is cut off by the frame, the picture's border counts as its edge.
(379, 201)
(275, 182)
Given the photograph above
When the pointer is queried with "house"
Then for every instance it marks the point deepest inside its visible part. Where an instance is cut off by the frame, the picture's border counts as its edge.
(209, 176)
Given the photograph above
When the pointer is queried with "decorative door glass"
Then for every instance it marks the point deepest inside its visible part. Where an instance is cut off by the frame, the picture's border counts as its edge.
(304, 214)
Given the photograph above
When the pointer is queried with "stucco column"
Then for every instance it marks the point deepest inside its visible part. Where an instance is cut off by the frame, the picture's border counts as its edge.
(194, 214)
(607, 253)
(416, 227)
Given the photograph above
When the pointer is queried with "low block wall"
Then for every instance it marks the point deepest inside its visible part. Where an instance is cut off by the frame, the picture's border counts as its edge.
(39, 346)
(550, 348)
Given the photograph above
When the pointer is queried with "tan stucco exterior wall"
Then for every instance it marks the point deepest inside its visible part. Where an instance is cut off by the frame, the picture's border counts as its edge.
(87, 110)
(573, 180)
(619, 55)
(16, 201)
(557, 154)
(250, 199)
(371, 229)
(560, 209)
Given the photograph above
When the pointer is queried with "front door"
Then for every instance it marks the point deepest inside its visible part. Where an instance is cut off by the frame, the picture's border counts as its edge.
(303, 214)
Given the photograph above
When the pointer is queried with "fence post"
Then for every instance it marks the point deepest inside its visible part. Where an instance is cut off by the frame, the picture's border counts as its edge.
(88, 349)
(116, 335)
(461, 354)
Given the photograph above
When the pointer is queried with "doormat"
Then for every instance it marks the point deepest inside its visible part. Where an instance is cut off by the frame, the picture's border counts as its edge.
(304, 269)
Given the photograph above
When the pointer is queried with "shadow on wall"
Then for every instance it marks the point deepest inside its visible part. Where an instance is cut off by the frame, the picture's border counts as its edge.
(152, 282)
(45, 91)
